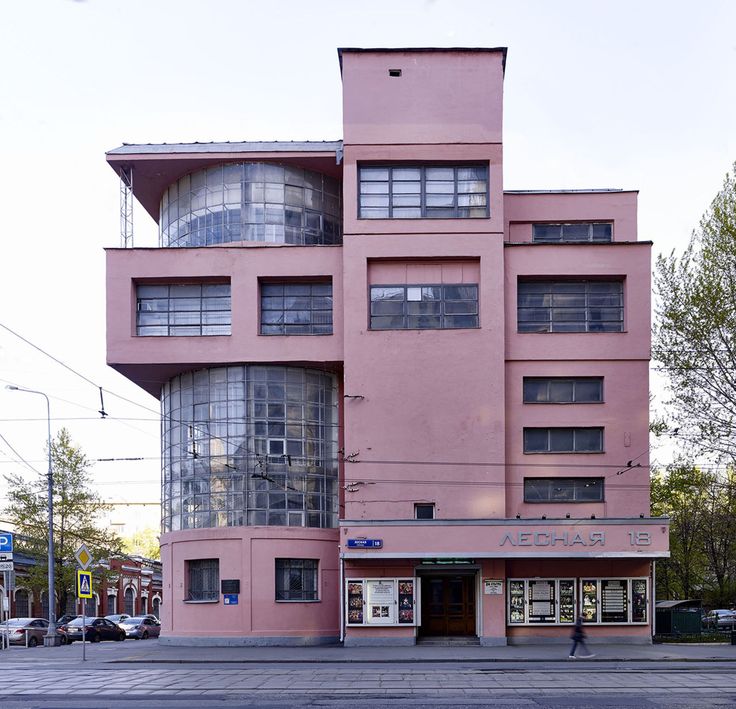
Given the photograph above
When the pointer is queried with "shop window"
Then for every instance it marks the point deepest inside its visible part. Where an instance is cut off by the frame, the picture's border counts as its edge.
(187, 309)
(203, 579)
(563, 440)
(423, 192)
(424, 307)
(598, 232)
(423, 511)
(563, 489)
(563, 390)
(570, 306)
(384, 601)
(296, 308)
(296, 580)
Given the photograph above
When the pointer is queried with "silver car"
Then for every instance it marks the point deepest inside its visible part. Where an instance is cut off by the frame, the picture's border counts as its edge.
(17, 629)
(141, 627)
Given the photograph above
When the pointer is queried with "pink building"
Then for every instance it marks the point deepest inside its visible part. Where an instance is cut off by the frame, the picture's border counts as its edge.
(397, 401)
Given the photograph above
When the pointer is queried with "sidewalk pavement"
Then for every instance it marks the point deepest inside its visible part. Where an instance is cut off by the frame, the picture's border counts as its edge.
(153, 652)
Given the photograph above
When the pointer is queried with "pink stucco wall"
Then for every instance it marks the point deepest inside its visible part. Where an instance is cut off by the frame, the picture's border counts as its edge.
(243, 266)
(440, 97)
(521, 210)
(248, 554)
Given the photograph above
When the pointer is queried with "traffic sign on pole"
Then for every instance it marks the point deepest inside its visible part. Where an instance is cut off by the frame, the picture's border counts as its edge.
(84, 584)
(83, 557)
(6, 543)
(6, 565)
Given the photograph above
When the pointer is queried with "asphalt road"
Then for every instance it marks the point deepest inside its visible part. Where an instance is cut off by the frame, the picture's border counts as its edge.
(125, 675)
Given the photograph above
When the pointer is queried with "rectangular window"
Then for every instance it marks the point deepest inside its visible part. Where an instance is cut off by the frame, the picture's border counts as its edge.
(424, 307)
(423, 511)
(203, 579)
(563, 490)
(296, 580)
(187, 309)
(563, 440)
(423, 192)
(563, 390)
(296, 308)
(570, 306)
(599, 232)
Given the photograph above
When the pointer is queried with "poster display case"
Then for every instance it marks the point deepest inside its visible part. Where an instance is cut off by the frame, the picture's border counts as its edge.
(601, 601)
(541, 601)
(384, 601)
(620, 601)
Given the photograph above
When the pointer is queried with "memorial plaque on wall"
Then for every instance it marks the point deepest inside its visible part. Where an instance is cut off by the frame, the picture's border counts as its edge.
(230, 586)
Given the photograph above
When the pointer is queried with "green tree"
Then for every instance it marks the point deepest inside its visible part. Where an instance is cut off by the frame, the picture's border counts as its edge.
(680, 492)
(695, 331)
(77, 510)
(701, 505)
(143, 543)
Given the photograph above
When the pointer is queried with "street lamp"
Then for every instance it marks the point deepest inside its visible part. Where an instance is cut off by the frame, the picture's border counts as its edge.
(52, 638)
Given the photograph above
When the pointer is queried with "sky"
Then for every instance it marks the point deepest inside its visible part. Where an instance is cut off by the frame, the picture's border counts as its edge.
(630, 94)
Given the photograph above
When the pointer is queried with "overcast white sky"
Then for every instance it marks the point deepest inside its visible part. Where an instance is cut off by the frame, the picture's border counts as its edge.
(631, 94)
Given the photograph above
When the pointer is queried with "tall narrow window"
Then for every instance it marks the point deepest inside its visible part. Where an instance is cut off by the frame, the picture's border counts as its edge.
(423, 191)
(570, 306)
(189, 309)
(203, 579)
(296, 579)
(296, 308)
(424, 307)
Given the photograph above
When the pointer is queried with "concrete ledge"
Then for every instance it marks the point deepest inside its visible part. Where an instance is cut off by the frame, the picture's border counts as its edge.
(247, 641)
(380, 642)
(493, 642)
(590, 640)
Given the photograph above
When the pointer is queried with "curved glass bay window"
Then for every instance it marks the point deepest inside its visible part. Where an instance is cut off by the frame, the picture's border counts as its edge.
(250, 445)
(251, 201)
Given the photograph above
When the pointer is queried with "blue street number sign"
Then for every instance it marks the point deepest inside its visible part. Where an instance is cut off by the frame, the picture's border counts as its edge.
(84, 584)
(365, 543)
(6, 543)
(230, 599)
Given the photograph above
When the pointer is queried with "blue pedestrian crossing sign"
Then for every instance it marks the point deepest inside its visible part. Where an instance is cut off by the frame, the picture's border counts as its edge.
(84, 584)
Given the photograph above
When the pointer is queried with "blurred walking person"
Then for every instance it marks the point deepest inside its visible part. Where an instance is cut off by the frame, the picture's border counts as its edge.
(578, 638)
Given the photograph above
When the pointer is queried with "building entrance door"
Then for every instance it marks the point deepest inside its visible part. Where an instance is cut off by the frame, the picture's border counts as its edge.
(448, 605)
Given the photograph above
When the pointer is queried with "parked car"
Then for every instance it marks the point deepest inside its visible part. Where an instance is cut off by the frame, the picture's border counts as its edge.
(117, 617)
(141, 627)
(95, 630)
(66, 618)
(720, 619)
(16, 629)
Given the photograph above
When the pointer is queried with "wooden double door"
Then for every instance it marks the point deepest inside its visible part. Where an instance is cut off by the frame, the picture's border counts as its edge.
(448, 605)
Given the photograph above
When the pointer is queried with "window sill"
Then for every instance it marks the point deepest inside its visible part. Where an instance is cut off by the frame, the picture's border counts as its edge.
(286, 600)
(199, 602)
